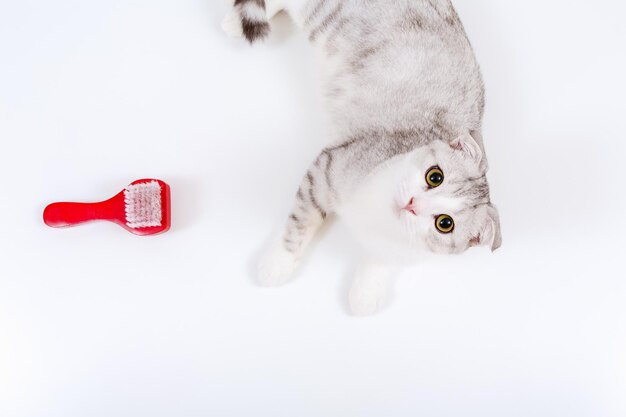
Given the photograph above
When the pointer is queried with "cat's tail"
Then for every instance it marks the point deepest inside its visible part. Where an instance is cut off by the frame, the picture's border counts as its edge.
(253, 16)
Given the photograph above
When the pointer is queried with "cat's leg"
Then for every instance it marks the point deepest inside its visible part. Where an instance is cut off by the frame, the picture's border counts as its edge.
(313, 204)
(370, 289)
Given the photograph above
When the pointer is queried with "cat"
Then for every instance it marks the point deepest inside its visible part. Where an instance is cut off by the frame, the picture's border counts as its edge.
(406, 168)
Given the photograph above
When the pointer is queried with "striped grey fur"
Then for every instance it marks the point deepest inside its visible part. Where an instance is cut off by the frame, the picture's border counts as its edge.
(327, 22)
(475, 190)
(315, 198)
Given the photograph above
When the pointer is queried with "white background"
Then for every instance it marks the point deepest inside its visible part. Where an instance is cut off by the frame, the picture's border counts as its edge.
(97, 322)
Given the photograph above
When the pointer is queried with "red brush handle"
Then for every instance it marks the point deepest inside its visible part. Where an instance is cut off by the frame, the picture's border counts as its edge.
(69, 214)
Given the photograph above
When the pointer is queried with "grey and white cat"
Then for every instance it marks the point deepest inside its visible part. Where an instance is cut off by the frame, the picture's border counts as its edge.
(406, 166)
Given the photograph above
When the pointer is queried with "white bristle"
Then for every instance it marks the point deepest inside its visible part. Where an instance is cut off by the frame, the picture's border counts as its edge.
(143, 205)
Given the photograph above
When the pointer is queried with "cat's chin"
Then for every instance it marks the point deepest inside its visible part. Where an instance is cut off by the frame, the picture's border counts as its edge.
(384, 232)
(376, 212)
(383, 236)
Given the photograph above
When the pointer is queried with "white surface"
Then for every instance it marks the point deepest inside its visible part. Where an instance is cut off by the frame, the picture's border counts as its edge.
(97, 322)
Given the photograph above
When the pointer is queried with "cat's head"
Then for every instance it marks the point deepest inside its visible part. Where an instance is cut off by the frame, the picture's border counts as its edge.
(434, 198)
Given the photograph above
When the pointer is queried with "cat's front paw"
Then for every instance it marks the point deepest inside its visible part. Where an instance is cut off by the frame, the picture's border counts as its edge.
(366, 301)
(368, 294)
(276, 267)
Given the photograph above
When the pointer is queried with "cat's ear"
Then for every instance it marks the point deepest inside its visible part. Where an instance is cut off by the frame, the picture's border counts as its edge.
(490, 234)
(468, 148)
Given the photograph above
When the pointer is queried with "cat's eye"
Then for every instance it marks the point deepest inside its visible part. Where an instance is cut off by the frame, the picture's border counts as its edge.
(444, 224)
(434, 177)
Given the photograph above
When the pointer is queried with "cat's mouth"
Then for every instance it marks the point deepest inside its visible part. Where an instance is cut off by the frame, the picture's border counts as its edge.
(410, 207)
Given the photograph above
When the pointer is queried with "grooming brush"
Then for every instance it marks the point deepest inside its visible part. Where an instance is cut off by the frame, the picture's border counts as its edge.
(142, 208)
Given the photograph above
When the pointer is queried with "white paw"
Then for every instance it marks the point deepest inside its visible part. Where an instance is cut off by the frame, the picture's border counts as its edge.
(368, 294)
(232, 24)
(366, 300)
(276, 267)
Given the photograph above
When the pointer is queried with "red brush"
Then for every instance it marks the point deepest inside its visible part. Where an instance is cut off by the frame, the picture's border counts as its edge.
(142, 208)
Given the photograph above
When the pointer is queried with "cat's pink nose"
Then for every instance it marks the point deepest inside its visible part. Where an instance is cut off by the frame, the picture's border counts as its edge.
(412, 207)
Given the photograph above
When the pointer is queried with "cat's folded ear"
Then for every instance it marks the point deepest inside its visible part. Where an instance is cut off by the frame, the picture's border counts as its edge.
(468, 148)
(490, 234)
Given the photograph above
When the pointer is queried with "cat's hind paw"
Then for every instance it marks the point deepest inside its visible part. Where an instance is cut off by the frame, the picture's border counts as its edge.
(276, 267)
